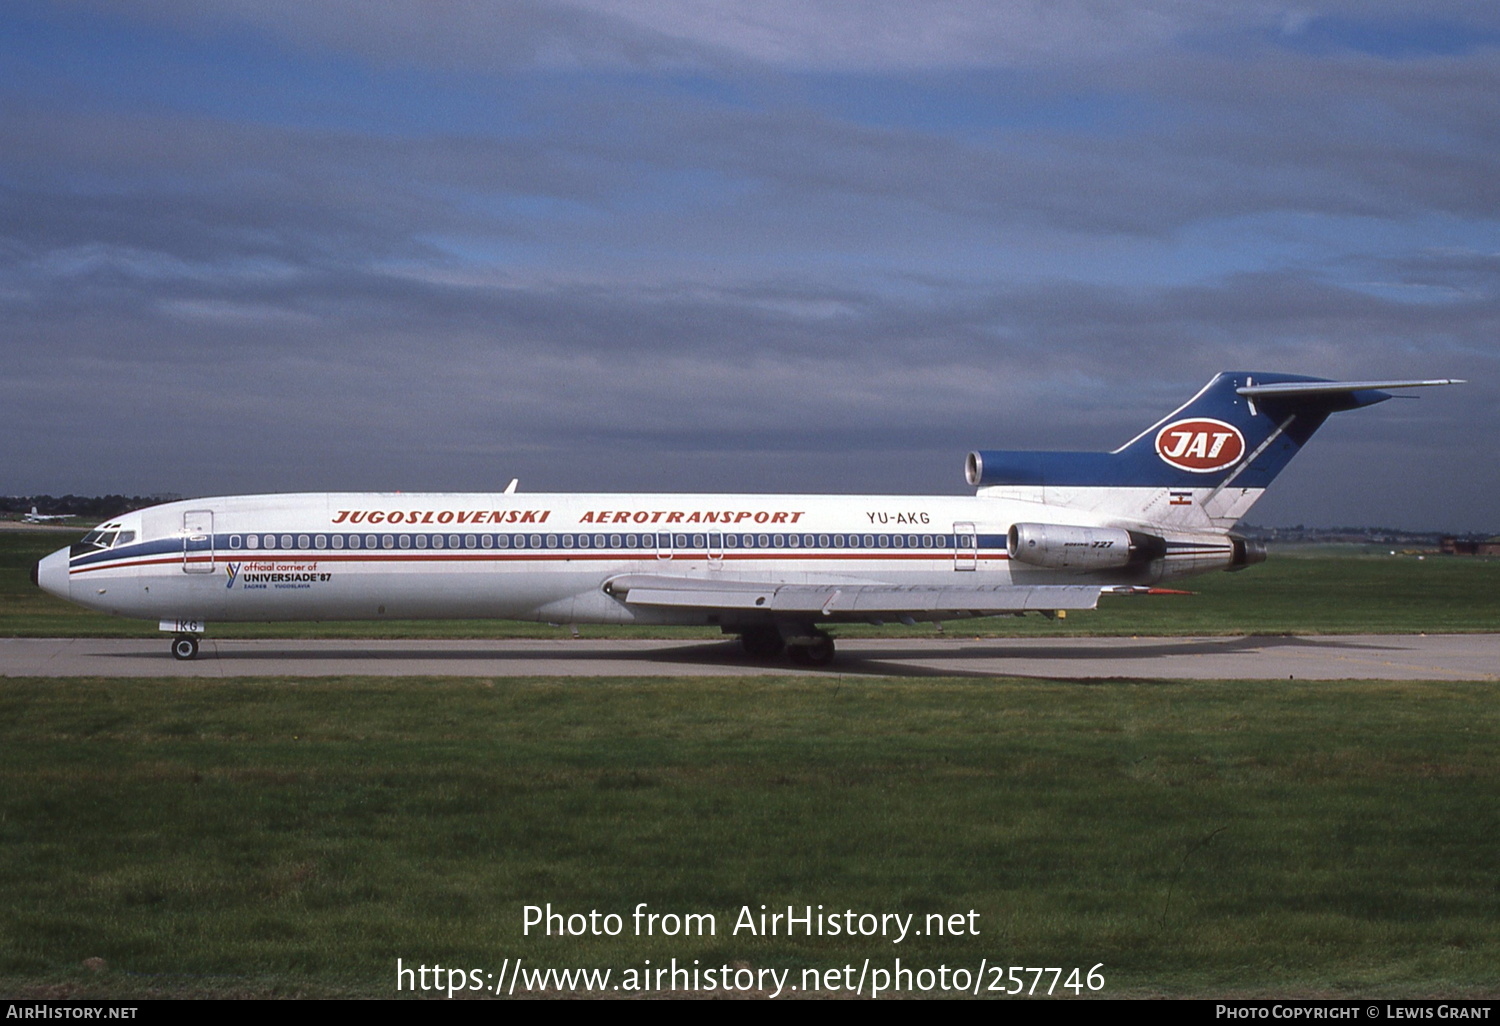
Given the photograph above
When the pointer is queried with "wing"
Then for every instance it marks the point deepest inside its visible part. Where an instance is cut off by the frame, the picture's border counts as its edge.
(849, 601)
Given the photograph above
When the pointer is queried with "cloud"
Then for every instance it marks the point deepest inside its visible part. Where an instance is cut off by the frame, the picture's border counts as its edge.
(726, 245)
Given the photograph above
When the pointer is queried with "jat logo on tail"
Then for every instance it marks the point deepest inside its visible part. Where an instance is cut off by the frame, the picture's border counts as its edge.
(1200, 445)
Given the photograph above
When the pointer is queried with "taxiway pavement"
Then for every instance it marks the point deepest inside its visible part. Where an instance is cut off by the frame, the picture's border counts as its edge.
(1444, 657)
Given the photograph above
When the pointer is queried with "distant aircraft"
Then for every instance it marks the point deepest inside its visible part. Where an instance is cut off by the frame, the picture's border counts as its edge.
(1045, 531)
(41, 518)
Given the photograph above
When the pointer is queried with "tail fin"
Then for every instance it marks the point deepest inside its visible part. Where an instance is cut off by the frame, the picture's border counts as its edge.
(1203, 465)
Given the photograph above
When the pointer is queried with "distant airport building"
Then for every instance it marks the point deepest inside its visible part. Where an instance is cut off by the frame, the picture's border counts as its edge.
(1466, 547)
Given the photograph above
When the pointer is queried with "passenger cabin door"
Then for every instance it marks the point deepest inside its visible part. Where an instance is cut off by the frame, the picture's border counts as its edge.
(198, 541)
(965, 547)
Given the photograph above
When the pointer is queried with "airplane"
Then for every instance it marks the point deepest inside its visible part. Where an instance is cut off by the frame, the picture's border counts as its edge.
(42, 518)
(1044, 532)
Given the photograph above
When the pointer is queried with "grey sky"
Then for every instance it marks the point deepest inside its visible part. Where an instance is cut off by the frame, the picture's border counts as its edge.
(744, 246)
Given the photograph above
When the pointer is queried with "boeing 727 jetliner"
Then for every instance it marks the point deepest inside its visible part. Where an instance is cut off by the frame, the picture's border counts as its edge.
(1045, 531)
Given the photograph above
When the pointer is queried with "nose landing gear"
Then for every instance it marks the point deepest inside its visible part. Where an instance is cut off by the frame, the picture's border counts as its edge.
(185, 646)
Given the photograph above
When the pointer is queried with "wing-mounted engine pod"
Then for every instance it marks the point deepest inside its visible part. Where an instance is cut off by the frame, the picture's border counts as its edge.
(1081, 548)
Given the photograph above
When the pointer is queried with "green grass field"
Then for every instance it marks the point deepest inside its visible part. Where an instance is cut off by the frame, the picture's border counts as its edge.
(294, 838)
(278, 837)
(1291, 593)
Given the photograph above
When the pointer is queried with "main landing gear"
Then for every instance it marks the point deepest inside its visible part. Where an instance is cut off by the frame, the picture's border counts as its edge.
(814, 650)
(185, 646)
(803, 646)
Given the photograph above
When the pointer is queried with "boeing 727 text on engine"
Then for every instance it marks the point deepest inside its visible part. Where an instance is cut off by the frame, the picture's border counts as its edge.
(1044, 532)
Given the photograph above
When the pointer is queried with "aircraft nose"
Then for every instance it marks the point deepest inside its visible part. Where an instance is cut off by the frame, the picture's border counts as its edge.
(51, 574)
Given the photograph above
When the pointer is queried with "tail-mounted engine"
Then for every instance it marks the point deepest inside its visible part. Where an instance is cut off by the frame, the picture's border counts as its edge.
(1082, 548)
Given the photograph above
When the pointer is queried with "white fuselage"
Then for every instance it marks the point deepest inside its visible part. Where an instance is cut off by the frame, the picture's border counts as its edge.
(548, 557)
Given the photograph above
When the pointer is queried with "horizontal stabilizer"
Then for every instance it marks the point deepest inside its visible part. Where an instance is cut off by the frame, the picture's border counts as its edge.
(1296, 388)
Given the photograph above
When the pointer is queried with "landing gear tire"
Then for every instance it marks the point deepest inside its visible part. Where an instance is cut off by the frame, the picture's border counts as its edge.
(762, 642)
(184, 646)
(816, 651)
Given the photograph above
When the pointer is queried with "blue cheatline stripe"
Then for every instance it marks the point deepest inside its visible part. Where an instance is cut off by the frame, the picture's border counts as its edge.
(230, 547)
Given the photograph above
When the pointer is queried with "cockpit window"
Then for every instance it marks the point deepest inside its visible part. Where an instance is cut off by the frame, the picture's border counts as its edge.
(100, 538)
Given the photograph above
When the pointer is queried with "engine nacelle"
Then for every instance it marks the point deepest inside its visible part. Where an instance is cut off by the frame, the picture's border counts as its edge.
(1081, 548)
(1246, 552)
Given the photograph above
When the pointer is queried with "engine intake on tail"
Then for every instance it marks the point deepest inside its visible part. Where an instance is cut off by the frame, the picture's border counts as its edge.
(1081, 548)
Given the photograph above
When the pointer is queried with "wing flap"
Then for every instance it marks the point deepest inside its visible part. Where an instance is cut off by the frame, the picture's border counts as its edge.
(844, 600)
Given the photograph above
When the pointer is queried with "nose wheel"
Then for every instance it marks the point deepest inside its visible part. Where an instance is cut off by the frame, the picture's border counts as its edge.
(185, 646)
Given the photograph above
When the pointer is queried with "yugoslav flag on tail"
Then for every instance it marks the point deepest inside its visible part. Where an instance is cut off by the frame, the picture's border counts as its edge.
(1201, 466)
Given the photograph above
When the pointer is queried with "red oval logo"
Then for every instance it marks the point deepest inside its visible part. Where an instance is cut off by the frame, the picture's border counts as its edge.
(1200, 445)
